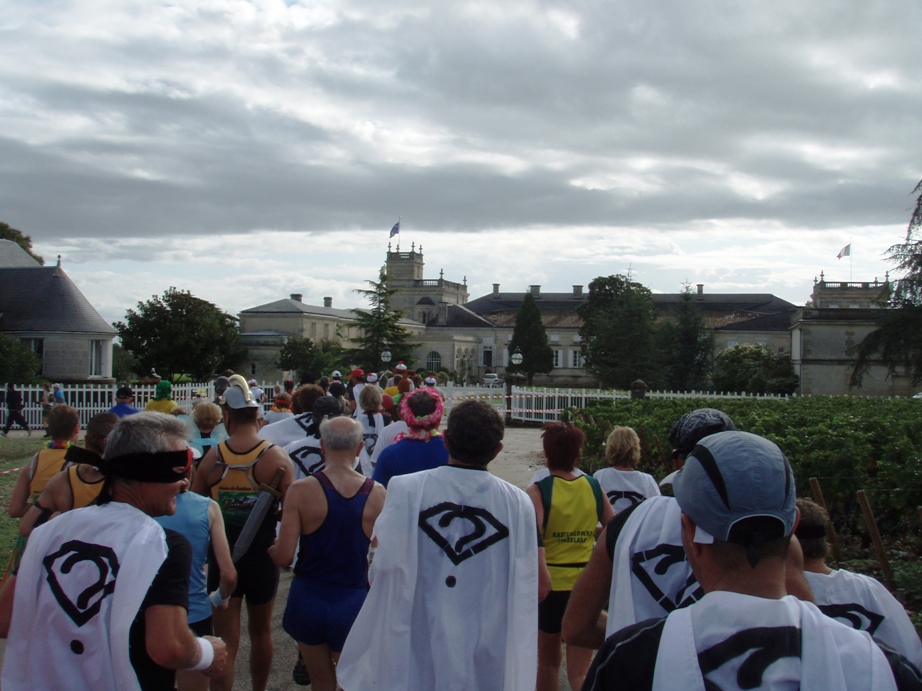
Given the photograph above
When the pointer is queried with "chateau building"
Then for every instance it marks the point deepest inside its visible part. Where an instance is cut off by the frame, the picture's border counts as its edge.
(471, 336)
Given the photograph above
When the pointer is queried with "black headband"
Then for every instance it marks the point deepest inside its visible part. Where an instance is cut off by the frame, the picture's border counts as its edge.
(148, 467)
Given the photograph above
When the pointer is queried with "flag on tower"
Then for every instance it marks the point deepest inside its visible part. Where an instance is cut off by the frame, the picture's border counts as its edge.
(845, 251)
(395, 230)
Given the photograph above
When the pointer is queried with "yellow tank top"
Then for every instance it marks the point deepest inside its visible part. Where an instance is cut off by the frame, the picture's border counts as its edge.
(48, 463)
(84, 493)
(572, 508)
(237, 490)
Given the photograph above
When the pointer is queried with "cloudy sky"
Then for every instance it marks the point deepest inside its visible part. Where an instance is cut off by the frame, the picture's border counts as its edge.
(246, 150)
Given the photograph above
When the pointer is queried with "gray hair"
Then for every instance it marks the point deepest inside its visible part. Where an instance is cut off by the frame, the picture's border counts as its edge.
(370, 398)
(340, 434)
(146, 433)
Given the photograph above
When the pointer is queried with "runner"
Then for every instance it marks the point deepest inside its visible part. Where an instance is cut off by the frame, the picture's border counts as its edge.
(372, 422)
(422, 446)
(231, 474)
(569, 506)
(332, 515)
(623, 485)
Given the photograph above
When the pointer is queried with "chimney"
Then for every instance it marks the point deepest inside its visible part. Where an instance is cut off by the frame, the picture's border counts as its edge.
(327, 302)
(535, 291)
(700, 289)
(443, 314)
(496, 288)
(296, 297)
(577, 291)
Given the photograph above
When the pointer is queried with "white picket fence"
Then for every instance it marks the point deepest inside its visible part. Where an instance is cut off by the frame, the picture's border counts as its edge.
(526, 403)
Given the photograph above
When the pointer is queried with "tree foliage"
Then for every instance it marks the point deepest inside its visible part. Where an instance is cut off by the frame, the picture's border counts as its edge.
(897, 343)
(24, 241)
(617, 331)
(178, 334)
(125, 366)
(685, 346)
(18, 363)
(380, 327)
(530, 337)
(753, 368)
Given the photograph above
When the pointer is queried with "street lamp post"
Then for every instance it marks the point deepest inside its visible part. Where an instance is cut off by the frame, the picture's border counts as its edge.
(516, 359)
(386, 355)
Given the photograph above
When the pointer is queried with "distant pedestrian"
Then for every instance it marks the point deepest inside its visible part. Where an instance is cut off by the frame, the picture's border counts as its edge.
(59, 395)
(47, 405)
(14, 406)
(162, 402)
(124, 397)
(623, 485)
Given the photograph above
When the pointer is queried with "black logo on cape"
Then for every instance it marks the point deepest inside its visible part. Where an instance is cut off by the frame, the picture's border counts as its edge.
(634, 497)
(769, 644)
(84, 605)
(487, 529)
(308, 459)
(662, 558)
(852, 614)
(371, 440)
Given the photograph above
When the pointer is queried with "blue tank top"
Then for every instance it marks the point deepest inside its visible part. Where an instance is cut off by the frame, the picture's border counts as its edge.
(337, 552)
(191, 521)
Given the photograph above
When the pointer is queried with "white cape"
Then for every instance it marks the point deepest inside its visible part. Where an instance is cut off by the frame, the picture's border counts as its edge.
(453, 603)
(650, 574)
(828, 655)
(81, 583)
(625, 488)
(284, 432)
(863, 603)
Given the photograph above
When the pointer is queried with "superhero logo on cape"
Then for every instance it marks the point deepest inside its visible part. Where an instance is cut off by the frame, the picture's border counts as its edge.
(81, 575)
(371, 441)
(651, 567)
(633, 497)
(768, 645)
(479, 529)
(308, 459)
(854, 615)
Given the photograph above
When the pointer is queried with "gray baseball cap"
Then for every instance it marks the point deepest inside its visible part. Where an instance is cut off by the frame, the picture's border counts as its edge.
(695, 426)
(732, 476)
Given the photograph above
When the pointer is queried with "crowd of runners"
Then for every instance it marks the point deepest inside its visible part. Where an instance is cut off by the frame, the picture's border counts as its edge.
(414, 568)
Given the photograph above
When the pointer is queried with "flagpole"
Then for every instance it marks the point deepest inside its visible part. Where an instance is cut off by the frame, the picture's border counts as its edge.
(850, 253)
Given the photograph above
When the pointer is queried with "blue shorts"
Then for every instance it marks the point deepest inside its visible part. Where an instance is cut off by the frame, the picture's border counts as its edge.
(319, 613)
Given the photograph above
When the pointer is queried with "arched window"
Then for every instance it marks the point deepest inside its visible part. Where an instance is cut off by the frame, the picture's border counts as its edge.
(433, 361)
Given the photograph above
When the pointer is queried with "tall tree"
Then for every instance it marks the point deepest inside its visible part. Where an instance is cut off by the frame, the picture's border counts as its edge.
(753, 368)
(299, 355)
(617, 331)
(181, 334)
(380, 327)
(897, 343)
(685, 346)
(24, 241)
(530, 337)
(18, 363)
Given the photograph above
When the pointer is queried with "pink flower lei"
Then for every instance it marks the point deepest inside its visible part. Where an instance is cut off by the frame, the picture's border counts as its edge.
(420, 427)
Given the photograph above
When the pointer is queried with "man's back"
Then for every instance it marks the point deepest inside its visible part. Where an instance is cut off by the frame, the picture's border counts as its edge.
(455, 606)
(733, 641)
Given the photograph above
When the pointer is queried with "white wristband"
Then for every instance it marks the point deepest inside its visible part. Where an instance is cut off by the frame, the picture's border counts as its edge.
(217, 600)
(207, 656)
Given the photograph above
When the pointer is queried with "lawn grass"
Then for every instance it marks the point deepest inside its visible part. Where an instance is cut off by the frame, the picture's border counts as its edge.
(15, 452)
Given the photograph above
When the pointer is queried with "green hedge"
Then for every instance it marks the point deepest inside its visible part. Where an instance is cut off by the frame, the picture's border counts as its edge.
(848, 443)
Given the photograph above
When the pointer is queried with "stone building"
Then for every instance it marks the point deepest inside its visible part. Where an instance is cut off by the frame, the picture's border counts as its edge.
(41, 307)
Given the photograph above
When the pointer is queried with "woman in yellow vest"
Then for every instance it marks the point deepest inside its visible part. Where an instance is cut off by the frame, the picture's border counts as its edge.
(569, 508)
(162, 402)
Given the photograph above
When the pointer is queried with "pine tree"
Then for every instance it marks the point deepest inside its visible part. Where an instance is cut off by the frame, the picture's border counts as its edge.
(897, 344)
(380, 327)
(530, 337)
(685, 346)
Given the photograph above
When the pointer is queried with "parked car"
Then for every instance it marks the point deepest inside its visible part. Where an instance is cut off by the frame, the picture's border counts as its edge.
(492, 380)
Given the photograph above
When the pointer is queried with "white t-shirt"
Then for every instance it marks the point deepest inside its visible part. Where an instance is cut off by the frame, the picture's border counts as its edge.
(863, 603)
(625, 488)
(545, 472)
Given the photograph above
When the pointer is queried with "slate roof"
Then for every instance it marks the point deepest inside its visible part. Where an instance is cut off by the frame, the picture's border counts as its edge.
(13, 256)
(289, 306)
(43, 298)
(459, 316)
(772, 322)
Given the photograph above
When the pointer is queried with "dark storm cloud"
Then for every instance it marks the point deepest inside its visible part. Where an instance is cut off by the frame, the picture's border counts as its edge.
(132, 120)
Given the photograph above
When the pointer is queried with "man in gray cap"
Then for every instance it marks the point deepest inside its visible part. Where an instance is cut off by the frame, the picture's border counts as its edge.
(737, 498)
(638, 566)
